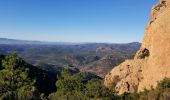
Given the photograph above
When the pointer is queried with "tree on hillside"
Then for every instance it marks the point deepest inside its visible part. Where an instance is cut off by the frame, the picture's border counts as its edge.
(96, 89)
(69, 86)
(14, 81)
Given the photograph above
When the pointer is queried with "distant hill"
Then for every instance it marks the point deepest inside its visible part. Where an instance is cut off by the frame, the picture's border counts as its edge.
(16, 41)
(113, 56)
(97, 58)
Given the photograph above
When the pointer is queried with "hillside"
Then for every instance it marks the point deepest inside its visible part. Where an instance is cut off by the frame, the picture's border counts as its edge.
(83, 56)
(22, 81)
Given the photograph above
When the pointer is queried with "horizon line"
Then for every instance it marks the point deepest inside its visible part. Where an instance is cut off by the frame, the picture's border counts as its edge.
(81, 42)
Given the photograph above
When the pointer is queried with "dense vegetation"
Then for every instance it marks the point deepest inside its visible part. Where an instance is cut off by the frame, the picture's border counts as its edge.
(22, 81)
(14, 80)
(18, 78)
(78, 87)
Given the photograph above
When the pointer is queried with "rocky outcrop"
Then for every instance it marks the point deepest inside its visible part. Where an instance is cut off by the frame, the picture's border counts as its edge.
(151, 63)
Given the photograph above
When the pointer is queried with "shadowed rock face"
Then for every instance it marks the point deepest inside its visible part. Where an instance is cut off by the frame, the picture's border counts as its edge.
(151, 63)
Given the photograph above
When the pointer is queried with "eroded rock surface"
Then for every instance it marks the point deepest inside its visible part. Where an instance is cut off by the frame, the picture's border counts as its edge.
(152, 62)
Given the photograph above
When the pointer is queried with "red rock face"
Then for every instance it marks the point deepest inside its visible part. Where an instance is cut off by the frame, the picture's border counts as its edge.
(151, 63)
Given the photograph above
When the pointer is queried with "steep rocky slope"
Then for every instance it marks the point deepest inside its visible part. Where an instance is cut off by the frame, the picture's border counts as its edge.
(151, 63)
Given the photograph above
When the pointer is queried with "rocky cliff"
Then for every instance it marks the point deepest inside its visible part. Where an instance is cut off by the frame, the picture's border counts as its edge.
(152, 62)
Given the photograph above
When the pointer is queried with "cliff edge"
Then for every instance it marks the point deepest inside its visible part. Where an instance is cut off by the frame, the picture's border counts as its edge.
(152, 62)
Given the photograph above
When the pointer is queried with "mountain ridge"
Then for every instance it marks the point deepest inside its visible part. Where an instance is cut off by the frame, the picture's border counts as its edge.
(19, 41)
(54, 57)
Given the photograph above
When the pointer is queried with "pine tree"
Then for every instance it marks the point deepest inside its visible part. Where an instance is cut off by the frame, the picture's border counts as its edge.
(14, 81)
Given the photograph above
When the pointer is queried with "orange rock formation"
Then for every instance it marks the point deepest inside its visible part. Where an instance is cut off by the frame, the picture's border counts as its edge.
(152, 62)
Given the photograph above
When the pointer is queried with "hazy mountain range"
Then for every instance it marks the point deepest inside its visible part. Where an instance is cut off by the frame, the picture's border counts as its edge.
(96, 58)
(31, 42)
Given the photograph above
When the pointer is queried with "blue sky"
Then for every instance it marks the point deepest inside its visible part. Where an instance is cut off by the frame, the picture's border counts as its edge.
(114, 21)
